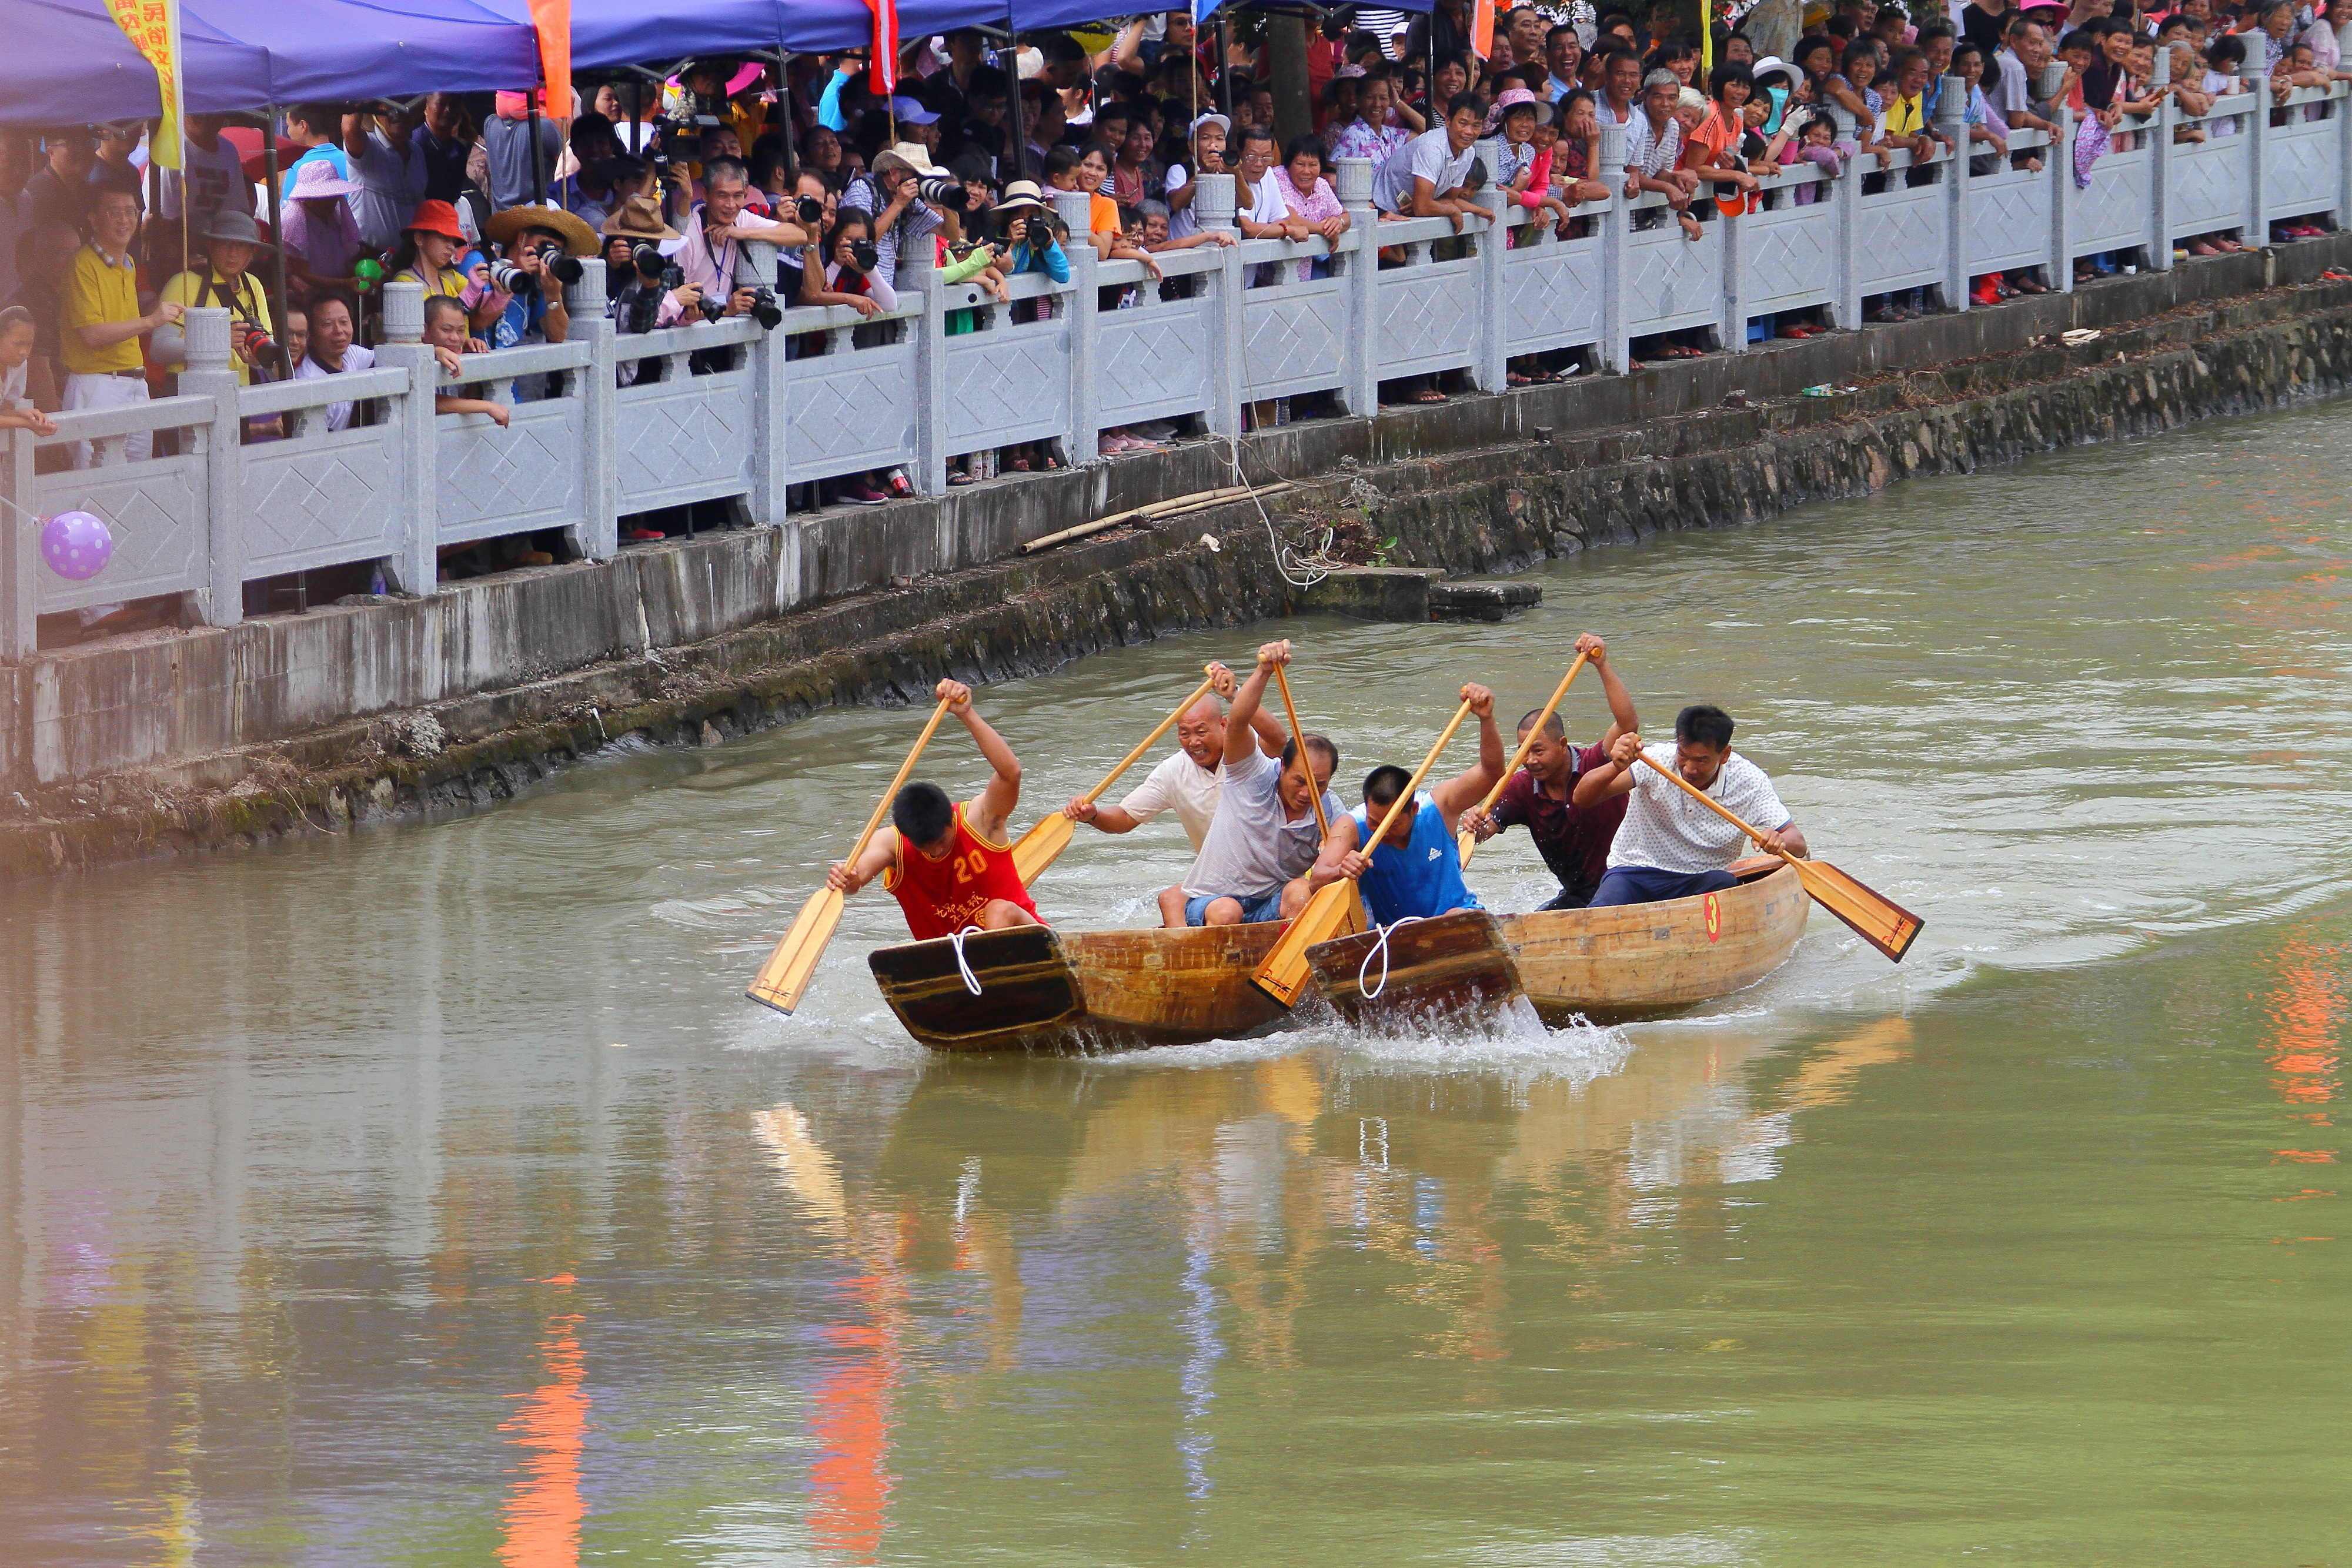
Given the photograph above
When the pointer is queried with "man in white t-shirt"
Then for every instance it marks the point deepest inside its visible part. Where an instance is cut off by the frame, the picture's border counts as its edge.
(1186, 783)
(1254, 859)
(1425, 177)
(1670, 846)
(333, 352)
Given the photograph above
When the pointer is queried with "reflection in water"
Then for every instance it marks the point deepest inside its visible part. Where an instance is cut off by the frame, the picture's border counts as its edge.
(544, 1506)
(280, 1209)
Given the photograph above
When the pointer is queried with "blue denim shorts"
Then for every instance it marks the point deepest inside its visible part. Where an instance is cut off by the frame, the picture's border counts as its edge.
(1255, 911)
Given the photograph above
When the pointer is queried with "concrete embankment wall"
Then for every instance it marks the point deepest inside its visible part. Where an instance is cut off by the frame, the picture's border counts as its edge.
(193, 740)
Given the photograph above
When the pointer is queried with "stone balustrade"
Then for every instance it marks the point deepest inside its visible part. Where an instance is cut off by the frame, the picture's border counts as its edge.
(247, 483)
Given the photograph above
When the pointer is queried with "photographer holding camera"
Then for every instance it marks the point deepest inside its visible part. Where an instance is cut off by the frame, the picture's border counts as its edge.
(647, 290)
(543, 248)
(712, 256)
(917, 199)
(231, 239)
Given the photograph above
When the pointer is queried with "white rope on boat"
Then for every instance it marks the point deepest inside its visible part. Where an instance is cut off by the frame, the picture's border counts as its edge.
(970, 980)
(1380, 950)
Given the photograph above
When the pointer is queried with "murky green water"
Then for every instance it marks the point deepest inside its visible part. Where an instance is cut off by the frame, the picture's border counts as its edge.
(433, 1196)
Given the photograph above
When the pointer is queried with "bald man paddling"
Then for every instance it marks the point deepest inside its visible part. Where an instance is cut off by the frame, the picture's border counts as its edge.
(948, 864)
(1414, 870)
(1188, 782)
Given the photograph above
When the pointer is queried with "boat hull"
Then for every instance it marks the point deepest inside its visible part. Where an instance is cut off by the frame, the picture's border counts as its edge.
(1043, 990)
(1610, 965)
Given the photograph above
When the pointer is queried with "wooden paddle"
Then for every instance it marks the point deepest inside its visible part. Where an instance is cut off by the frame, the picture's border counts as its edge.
(785, 976)
(1033, 850)
(1284, 972)
(1467, 844)
(1875, 917)
(1298, 740)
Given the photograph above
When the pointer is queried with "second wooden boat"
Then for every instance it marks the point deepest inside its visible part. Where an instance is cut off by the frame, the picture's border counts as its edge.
(1632, 961)
(1040, 989)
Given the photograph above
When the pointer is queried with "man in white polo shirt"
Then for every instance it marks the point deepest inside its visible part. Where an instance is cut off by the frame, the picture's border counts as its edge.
(1187, 782)
(1670, 846)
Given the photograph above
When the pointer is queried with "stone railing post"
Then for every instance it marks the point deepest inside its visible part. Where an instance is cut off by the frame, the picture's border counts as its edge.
(1075, 208)
(1731, 312)
(2063, 198)
(1351, 182)
(598, 535)
(20, 547)
(1845, 192)
(411, 568)
(1493, 240)
(221, 444)
(764, 360)
(929, 472)
(2159, 168)
(1952, 120)
(2343, 153)
(1212, 209)
(1616, 221)
(2258, 137)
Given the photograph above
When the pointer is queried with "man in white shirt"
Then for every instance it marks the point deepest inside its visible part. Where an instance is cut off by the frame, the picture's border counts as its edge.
(1254, 859)
(1670, 846)
(1425, 177)
(333, 352)
(1186, 783)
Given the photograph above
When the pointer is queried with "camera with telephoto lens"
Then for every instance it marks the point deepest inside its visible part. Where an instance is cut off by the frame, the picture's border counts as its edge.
(943, 191)
(507, 275)
(653, 266)
(863, 256)
(565, 269)
(259, 344)
(811, 211)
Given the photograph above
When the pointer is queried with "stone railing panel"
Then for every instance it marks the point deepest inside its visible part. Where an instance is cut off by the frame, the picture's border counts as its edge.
(688, 436)
(1010, 381)
(522, 478)
(2301, 160)
(851, 407)
(1905, 228)
(321, 497)
(2009, 211)
(1551, 287)
(1425, 312)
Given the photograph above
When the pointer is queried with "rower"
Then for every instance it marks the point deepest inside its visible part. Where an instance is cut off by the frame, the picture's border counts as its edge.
(1415, 871)
(1671, 846)
(1263, 835)
(960, 873)
(1540, 797)
(1187, 782)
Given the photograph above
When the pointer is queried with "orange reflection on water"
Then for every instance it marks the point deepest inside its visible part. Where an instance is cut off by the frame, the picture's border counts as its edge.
(541, 1523)
(2307, 1011)
(851, 1475)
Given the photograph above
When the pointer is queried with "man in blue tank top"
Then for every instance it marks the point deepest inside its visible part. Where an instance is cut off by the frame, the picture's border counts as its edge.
(1415, 870)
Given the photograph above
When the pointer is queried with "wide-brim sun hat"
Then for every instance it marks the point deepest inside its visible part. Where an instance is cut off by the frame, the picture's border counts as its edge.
(231, 226)
(639, 217)
(912, 156)
(318, 179)
(435, 218)
(507, 223)
(1518, 98)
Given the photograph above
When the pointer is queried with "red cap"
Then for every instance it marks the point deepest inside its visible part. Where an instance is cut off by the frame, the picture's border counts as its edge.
(436, 218)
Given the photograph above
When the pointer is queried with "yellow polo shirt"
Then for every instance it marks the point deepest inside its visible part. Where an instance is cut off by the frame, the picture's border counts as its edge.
(247, 301)
(1904, 117)
(98, 292)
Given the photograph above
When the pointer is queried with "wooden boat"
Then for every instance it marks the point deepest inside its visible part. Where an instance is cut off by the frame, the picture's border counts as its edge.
(1045, 990)
(1633, 961)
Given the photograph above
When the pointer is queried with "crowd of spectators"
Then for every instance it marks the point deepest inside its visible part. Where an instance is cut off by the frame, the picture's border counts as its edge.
(487, 200)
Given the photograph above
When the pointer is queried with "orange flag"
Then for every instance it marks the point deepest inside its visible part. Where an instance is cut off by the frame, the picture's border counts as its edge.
(1482, 28)
(553, 18)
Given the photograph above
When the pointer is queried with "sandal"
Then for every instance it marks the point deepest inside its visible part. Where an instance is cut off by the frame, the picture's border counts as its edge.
(1513, 378)
(1427, 394)
(1018, 465)
(960, 476)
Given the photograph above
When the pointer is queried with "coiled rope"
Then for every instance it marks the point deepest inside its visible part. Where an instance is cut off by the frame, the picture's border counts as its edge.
(970, 980)
(1380, 949)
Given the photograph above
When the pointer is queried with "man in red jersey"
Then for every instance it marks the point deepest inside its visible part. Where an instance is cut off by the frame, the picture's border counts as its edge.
(949, 865)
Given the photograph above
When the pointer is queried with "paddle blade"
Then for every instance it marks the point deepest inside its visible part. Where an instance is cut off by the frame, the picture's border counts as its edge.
(1465, 844)
(1875, 917)
(1033, 850)
(1285, 973)
(785, 976)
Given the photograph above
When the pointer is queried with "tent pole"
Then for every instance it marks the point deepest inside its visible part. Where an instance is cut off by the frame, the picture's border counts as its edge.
(1017, 112)
(1225, 64)
(538, 163)
(278, 235)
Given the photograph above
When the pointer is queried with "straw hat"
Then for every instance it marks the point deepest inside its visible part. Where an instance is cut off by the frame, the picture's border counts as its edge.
(912, 156)
(578, 238)
(1021, 196)
(639, 217)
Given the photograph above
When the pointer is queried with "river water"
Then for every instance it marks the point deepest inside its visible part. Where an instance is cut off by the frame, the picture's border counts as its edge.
(432, 1195)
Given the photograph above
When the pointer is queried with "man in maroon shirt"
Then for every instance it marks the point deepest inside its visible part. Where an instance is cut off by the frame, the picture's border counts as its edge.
(1574, 843)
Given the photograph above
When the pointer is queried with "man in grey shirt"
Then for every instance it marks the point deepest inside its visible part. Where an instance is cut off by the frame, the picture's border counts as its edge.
(1252, 863)
(1425, 177)
(507, 139)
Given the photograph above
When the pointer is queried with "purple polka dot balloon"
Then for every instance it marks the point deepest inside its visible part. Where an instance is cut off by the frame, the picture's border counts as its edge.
(77, 545)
